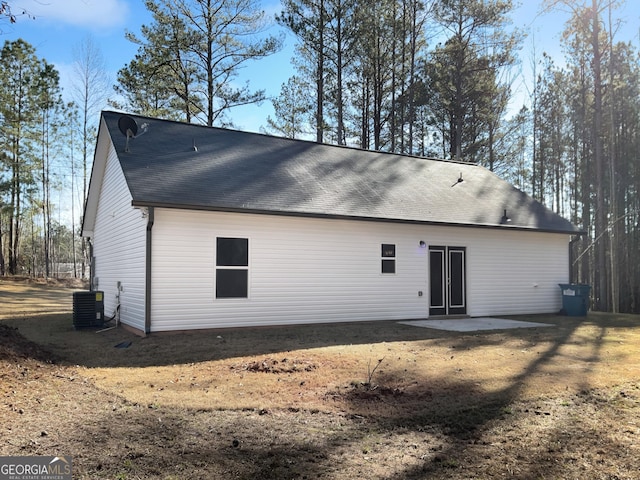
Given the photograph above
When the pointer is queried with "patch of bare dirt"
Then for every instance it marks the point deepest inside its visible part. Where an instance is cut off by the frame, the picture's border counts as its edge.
(17, 350)
(271, 365)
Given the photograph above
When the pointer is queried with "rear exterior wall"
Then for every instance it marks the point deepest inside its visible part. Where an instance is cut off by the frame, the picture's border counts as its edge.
(308, 270)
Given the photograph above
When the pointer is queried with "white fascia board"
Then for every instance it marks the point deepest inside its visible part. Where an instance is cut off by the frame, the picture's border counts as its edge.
(103, 144)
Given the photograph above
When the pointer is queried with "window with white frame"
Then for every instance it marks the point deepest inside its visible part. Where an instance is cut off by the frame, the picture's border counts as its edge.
(388, 258)
(232, 267)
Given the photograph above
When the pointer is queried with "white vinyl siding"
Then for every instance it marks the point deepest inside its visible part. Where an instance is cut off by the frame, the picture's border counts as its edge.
(119, 247)
(301, 271)
(516, 272)
(305, 270)
(509, 272)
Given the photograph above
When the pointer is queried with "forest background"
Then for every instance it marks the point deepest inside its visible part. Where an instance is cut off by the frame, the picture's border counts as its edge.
(432, 78)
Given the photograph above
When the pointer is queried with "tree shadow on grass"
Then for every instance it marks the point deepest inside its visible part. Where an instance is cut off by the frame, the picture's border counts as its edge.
(95, 348)
(466, 418)
(441, 428)
(445, 420)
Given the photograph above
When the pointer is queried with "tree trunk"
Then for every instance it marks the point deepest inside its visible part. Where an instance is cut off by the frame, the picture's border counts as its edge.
(602, 297)
(2, 270)
(340, 131)
(617, 232)
(320, 77)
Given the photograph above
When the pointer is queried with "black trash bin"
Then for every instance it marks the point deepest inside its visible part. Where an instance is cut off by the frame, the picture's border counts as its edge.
(575, 299)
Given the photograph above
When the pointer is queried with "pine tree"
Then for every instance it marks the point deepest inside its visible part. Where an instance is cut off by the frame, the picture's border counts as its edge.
(308, 20)
(20, 69)
(466, 98)
(51, 106)
(189, 58)
(292, 109)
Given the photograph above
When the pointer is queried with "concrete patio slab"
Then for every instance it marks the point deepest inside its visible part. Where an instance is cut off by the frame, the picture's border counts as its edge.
(474, 324)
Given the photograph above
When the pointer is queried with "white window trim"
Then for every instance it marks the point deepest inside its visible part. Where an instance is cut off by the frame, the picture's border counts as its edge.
(394, 258)
(231, 267)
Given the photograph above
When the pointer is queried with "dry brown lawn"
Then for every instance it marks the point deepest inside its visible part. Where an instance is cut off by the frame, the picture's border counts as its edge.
(374, 400)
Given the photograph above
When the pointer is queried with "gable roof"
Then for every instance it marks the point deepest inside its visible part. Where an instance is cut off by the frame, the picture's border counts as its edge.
(180, 165)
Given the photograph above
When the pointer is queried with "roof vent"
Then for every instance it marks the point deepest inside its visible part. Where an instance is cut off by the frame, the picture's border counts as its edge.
(505, 218)
(460, 180)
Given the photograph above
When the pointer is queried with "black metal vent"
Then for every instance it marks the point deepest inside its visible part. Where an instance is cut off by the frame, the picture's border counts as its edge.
(88, 309)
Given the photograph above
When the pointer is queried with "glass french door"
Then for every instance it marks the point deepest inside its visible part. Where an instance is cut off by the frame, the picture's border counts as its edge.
(447, 280)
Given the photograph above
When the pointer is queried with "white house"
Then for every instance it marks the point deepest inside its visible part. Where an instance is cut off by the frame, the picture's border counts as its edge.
(195, 227)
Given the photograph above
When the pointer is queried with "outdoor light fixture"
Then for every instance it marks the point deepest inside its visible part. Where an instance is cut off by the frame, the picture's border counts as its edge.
(422, 244)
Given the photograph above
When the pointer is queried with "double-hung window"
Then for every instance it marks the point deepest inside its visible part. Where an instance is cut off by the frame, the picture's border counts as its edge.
(388, 258)
(232, 267)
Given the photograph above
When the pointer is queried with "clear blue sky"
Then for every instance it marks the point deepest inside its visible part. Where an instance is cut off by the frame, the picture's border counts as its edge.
(59, 25)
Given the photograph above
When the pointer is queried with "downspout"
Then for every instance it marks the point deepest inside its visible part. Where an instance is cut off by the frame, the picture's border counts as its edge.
(92, 267)
(147, 285)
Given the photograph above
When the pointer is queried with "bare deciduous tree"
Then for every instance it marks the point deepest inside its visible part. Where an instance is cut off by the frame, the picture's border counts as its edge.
(90, 90)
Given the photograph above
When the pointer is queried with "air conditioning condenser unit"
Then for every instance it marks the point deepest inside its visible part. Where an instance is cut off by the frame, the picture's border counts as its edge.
(88, 309)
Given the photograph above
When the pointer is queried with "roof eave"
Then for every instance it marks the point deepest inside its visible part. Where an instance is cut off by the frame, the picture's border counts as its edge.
(291, 213)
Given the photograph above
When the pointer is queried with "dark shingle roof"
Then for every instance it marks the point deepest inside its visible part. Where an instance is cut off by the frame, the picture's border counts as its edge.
(237, 171)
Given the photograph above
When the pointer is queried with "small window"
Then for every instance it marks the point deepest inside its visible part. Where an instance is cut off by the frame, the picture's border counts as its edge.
(388, 258)
(232, 267)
